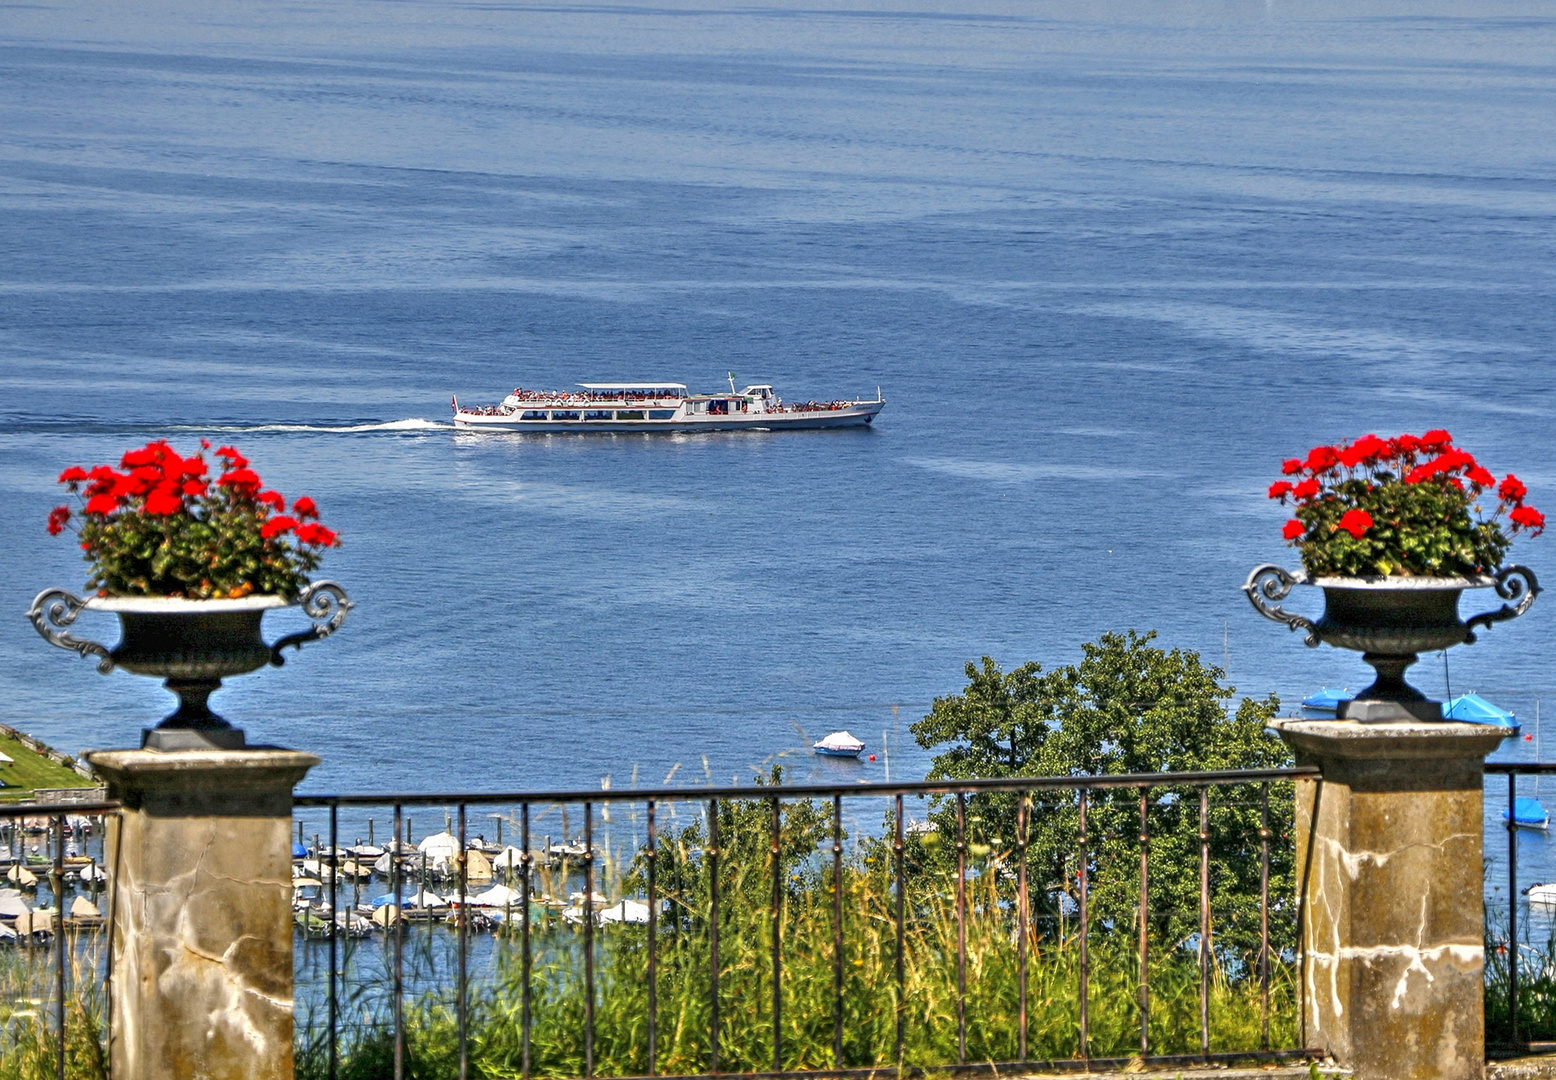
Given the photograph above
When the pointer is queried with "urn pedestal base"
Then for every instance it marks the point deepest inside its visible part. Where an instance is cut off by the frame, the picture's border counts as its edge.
(1389, 878)
(200, 865)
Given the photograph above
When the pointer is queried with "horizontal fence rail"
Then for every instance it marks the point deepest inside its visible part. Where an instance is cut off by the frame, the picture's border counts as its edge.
(68, 831)
(789, 919)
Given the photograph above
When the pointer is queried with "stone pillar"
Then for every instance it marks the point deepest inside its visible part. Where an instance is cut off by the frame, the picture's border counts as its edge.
(200, 866)
(1389, 872)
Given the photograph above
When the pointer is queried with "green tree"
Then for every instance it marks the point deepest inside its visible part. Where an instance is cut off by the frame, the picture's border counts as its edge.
(1127, 707)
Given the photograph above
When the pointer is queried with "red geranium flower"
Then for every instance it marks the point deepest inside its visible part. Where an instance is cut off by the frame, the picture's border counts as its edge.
(1291, 466)
(314, 533)
(1307, 489)
(241, 479)
(1279, 490)
(73, 475)
(1322, 457)
(57, 519)
(102, 504)
(1512, 489)
(305, 508)
(276, 526)
(272, 499)
(1436, 440)
(1293, 529)
(162, 502)
(1355, 522)
(1527, 517)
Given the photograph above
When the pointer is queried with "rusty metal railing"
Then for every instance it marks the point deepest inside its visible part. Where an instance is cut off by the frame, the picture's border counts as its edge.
(954, 796)
(16, 820)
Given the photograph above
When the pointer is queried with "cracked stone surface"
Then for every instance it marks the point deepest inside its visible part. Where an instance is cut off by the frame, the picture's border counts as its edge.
(201, 904)
(1389, 864)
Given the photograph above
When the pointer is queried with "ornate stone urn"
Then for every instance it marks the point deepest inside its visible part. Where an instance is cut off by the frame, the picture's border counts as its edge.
(192, 645)
(1389, 621)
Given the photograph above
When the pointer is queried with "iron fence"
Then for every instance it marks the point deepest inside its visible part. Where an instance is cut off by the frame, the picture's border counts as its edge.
(62, 826)
(1003, 884)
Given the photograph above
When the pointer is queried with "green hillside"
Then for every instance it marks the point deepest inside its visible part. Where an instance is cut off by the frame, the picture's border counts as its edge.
(32, 770)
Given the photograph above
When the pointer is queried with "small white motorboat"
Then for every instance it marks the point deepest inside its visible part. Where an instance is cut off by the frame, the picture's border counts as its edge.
(839, 744)
(1540, 893)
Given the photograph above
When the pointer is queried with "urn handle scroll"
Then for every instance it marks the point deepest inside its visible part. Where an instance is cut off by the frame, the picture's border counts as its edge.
(55, 609)
(326, 603)
(1516, 583)
(1269, 583)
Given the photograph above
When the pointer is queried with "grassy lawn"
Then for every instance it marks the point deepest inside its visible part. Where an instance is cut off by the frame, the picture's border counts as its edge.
(32, 770)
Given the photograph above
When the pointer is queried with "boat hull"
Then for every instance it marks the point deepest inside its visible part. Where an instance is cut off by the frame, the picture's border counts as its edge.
(839, 753)
(858, 415)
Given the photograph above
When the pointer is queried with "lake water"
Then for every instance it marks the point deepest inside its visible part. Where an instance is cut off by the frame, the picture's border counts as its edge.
(1109, 265)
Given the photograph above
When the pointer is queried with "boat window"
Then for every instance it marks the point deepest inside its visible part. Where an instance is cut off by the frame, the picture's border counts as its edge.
(718, 407)
(597, 414)
(564, 416)
(661, 414)
(534, 414)
(629, 414)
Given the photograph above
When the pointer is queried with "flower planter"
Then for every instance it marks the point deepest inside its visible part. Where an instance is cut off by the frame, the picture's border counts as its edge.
(1389, 621)
(192, 645)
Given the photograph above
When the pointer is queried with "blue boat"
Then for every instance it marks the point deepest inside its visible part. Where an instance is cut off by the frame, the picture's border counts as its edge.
(1528, 813)
(1474, 709)
(298, 851)
(1326, 700)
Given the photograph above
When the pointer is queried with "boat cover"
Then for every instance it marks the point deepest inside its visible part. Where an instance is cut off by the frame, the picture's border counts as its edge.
(1474, 709)
(1326, 700)
(840, 740)
(1527, 811)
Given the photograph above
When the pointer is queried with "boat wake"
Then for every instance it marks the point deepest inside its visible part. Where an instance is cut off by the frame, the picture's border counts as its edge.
(410, 424)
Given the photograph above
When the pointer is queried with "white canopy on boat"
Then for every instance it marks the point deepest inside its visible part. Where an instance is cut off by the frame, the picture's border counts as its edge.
(441, 845)
(498, 896)
(12, 904)
(628, 911)
(840, 740)
(633, 385)
(510, 858)
(82, 908)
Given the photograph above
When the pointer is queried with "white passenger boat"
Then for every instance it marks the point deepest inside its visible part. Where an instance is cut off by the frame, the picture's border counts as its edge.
(660, 407)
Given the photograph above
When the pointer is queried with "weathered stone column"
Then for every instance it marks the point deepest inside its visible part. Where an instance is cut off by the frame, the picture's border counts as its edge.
(1389, 871)
(201, 905)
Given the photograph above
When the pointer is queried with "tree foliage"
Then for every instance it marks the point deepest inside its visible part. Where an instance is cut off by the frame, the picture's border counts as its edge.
(1127, 707)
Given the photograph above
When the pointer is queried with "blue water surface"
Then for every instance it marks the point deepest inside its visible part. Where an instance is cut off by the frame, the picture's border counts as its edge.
(1109, 265)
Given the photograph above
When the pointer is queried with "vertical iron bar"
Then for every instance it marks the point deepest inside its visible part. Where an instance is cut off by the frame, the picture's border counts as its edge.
(1023, 826)
(525, 861)
(713, 934)
(1264, 915)
(588, 939)
(1204, 922)
(399, 951)
(837, 931)
(1512, 901)
(1145, 927)
(461, 988)
(961, 927)
(653, 944)
(777, 916)
(1084, 889)
(334, 1002)
(897, 849)
(58, 885)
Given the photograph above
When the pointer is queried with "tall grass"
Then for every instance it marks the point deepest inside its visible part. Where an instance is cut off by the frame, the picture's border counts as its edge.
(870, 999)
(29, 1039)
